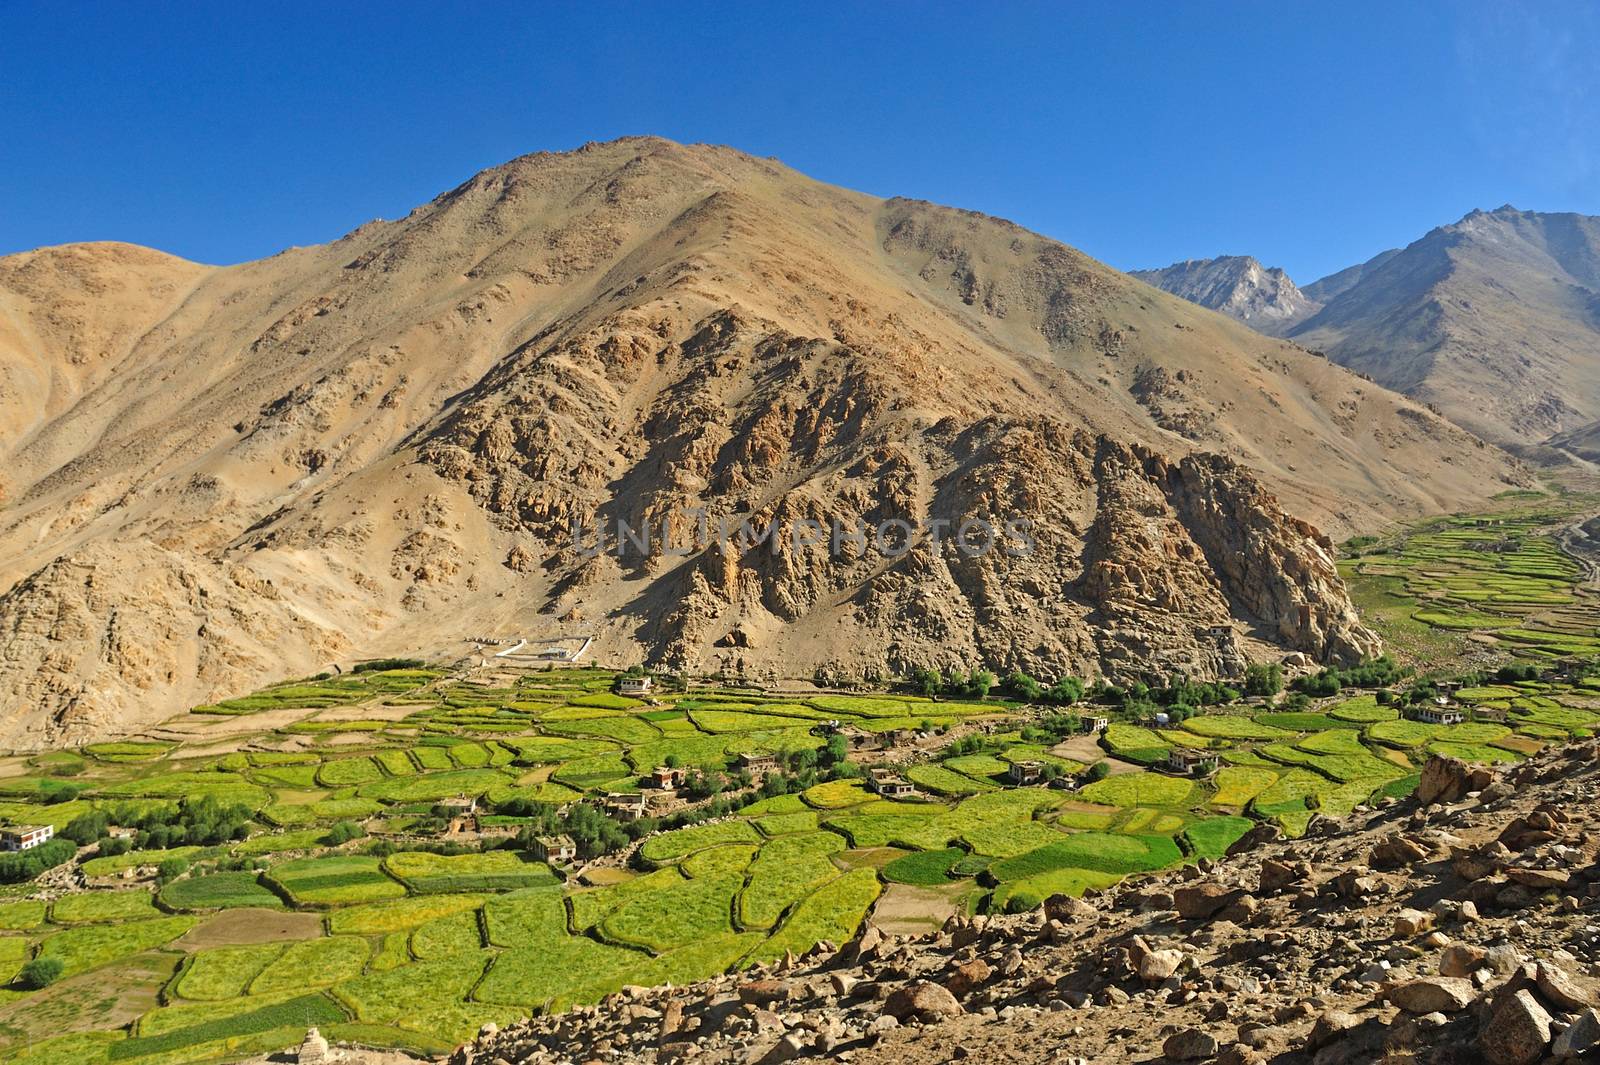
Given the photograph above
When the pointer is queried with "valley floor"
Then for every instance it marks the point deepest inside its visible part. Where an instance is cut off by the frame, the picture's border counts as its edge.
(380, 854)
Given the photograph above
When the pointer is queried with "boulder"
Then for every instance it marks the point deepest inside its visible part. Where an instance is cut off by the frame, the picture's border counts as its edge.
(1199, 901)
(1461, 959)
(1330, 1026)
(1434, 994)
(1408, 924)
(1561, 990)
(1579, 1037)
(923, 1001)
(1156, 966)
(1397, 852)
(1190, 1044)
(1539, 879)
(1517, 1033)
(1446, 780)
(968, 977)
(1067, 908)
(1275, 876)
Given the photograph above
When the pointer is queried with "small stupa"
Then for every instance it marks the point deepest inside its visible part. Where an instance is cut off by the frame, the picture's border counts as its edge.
(314, 1050)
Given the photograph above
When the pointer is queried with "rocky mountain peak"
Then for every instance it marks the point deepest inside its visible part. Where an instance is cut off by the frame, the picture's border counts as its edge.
(1239, 286)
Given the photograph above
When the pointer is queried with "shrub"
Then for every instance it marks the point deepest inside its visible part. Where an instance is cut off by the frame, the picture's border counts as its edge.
(40, 972)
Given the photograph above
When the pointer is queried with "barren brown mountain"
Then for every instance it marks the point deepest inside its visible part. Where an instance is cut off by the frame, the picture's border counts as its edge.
(219, 476)
(1494, 320)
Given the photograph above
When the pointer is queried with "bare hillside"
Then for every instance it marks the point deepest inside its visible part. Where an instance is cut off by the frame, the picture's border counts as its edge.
(1494, 320)
(217, 476)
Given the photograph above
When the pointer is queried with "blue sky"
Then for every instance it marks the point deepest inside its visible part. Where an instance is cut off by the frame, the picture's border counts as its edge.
(1311, 136)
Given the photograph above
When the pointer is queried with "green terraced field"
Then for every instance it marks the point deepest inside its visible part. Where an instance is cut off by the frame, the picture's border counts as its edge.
(427, 937)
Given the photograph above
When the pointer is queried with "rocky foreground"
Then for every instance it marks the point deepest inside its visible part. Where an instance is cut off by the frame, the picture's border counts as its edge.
(1456, 926)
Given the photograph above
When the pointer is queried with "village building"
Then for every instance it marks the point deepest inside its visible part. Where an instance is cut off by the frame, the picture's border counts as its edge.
(889, 784)
(557, 850)
(758, 765)
(859, 739)
(635, 685)
(1024, 774)
(627, 805)
(1190, 762)
(554, 654)
(1436, 713)
(1093, 723)
(668, 777)
(24, 837)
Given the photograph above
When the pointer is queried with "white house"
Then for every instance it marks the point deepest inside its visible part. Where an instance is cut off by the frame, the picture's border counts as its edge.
(557, 850)
(634, 686)
(890, 785)
(24, 837)
(1025, 773)
(1434, 714)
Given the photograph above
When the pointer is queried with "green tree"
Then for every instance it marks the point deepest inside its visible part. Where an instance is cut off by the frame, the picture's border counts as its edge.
(1098, 771)
(1263, 679)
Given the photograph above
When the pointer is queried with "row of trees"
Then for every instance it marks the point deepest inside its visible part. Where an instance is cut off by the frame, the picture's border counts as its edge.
(202, 821)
(1260, 680)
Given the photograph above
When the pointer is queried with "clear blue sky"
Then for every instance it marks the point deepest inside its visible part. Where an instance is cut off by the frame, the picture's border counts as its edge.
(1310, 135)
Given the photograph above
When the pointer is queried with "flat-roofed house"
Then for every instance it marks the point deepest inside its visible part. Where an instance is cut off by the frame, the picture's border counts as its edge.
(1022, 774)
(667, 777)
(557, 850)
(758, 764)
(889, 784)
(24, 837)
(1437, 713)
(1191, 762)
(628, 805)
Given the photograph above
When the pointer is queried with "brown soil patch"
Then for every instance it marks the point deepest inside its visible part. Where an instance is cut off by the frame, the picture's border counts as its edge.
(906, 910)
(1087, 749)
(109, 997)
(245, 926)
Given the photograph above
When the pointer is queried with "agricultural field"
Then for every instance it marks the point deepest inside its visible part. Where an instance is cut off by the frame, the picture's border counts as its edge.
(1499, 579)
(367, 870)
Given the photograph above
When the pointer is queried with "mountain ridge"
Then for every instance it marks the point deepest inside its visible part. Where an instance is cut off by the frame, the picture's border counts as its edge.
(381, 443)
(1494, 319)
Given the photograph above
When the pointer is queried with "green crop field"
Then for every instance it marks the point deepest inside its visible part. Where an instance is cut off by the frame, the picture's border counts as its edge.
(354, 810)
(218, 891)
(313, 963)
(1140, 789)
(926, 868)
(784, 871)
(1237, 785)
(673, 845)
(494, 871)
(333, 880)
(225, 972)
(102, 906)
(1233, 728)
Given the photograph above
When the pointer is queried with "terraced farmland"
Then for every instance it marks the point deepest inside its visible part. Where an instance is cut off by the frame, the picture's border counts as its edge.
(1499, 578)
(345, 895)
